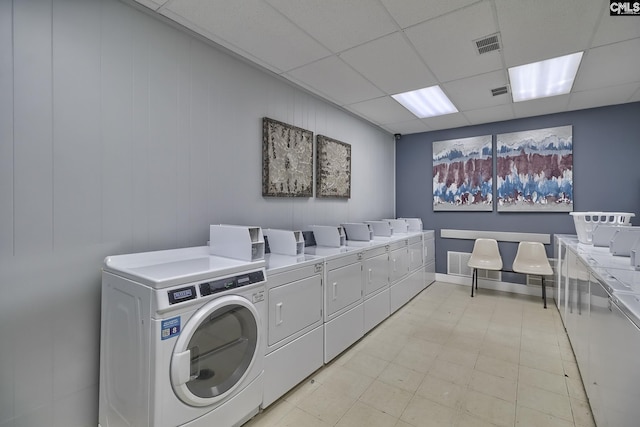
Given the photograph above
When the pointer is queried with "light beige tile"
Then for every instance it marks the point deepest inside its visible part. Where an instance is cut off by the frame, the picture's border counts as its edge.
(401, 423)
(326, 405)
(489, 408)
(571, 369)
(548, 337)
(440, 391)
(361, 415)
(401, 377)
(301, 391)
(419, 361)
(347, 382)
(492, 385)
(509, 338)
(466, 342)
(271, 416)
(425, 413)
(540, 347)
(428, 348)
(386, 398)
(553, 404)
(567, 354)
(501, 352)
(497, 367)
(468, 420)
(366, 364)
(380, 349)
(544, 363)
(527, 417)
(459, 356)
(576, 389)
(582, 415)
(543, 379)
(434, 331)
(451, 372)
(299, 418)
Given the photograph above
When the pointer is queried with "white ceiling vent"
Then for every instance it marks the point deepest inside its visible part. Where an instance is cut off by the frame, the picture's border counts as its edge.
(488, 44)
(500, 90)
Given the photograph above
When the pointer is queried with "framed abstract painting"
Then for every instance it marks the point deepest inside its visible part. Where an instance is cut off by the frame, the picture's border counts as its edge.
(333, 175)
(534, 170)
(463, 174)
(287, 160)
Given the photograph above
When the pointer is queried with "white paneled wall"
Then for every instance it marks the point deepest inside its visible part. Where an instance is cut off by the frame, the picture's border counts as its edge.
(119, 133)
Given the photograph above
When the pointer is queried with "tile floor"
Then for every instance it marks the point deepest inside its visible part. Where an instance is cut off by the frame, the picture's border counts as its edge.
(446, 359)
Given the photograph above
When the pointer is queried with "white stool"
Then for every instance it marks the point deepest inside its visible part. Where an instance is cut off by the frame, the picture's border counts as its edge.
(531, 258)
(485, 256)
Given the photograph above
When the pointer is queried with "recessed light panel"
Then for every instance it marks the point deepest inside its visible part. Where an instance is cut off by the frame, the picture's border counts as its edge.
(427, 102)
(551, 77)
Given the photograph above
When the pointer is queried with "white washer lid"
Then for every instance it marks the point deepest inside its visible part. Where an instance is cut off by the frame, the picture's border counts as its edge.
(160, 269)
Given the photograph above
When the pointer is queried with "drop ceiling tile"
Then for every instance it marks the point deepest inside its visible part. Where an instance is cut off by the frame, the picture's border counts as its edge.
(455, 120)
(609, 65)
(250, 28)
(446, 43)
(613, 29)
(600, 97)
(332, 77)
(399, 69)
(408, 127)
(411, 12)
(536, 30)
(542, 106)
(338, 24)
(382, 110)
(475, 92)
(498, 113)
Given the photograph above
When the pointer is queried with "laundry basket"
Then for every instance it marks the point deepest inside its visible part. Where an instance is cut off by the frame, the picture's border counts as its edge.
(586, 221)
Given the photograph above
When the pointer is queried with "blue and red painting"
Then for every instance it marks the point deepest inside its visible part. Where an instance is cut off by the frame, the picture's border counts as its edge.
(463, 174)
(534, 170)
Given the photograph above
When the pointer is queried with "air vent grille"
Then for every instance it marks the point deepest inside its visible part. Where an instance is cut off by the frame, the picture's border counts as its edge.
(457, 266)
(500, 91)
(488, 44)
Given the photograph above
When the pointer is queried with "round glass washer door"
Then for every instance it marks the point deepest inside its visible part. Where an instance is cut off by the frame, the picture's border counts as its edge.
(215, 351)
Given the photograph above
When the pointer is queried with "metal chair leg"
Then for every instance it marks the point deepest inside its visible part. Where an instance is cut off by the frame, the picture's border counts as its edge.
(544, 293)
(473, 279)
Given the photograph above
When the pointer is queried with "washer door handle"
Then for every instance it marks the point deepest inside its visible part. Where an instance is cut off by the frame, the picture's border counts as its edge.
(181, 374)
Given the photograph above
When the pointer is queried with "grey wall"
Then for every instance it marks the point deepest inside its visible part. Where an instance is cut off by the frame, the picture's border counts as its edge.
(119, 133)
(606, 156)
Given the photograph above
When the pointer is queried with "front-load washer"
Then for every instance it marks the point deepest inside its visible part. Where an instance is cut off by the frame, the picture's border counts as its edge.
(181, 339)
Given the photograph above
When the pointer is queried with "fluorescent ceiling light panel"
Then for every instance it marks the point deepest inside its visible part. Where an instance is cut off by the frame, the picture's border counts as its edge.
(545, 78)
(427, 102)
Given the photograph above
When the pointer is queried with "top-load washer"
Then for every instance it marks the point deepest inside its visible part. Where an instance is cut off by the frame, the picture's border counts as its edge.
(182, 339)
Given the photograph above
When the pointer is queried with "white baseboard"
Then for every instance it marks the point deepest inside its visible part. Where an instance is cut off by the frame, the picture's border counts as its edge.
(514, 288)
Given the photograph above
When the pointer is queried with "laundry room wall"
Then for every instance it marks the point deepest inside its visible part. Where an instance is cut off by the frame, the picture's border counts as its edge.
(120, 133)
(606, 149)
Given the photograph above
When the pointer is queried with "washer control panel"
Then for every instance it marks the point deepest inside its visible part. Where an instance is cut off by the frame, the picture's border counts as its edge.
(188, 293)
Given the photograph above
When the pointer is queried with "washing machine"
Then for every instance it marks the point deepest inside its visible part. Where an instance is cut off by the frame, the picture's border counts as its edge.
(182, 339)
